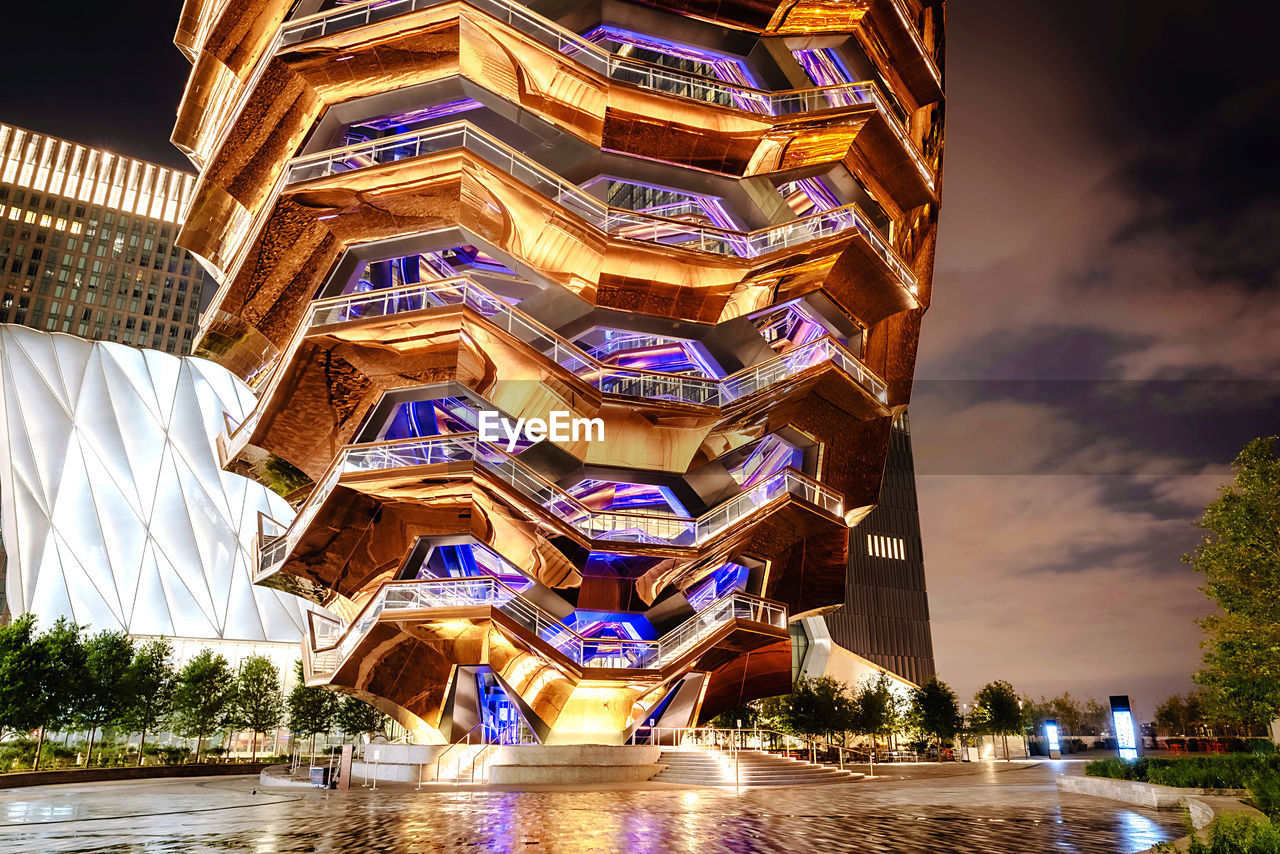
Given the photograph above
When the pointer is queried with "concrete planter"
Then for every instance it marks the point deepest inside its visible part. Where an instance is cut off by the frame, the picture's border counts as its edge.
(1139, 794)
(1203, 805)
(130, 772)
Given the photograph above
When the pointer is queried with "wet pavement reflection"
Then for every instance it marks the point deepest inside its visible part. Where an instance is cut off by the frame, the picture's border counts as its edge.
(990, 808)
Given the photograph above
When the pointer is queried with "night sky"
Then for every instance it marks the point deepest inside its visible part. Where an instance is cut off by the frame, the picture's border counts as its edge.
(1103, 336)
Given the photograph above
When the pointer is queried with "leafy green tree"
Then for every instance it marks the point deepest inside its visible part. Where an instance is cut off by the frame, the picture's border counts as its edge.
(1239, 558)
(64, 679)
(23, 662)
(1179, 715)
(311, 710)
(259, 698)
(820, 707)
(996, 711)
(103, 696)
(150, 683)
(1094, 717)
(356, 717)
(206, 687)
(935, 711)
(877, 709)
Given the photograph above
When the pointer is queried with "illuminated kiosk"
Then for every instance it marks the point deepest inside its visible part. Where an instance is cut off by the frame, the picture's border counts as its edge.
(718, 240)
(1052, 742)
(1128, 742)
(115, 512)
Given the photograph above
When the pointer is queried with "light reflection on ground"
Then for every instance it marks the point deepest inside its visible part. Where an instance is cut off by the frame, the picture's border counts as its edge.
(992, 808)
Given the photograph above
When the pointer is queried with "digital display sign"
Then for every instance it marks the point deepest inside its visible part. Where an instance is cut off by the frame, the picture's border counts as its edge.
(1051, 735)
(1126, 734)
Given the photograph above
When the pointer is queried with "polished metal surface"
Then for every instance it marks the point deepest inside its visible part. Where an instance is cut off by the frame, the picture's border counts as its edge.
(751, 372)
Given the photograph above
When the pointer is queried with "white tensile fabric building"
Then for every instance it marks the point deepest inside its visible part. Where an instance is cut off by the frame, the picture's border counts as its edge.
(116, 512)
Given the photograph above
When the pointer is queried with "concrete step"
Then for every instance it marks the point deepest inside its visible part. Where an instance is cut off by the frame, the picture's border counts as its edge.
(754, 768)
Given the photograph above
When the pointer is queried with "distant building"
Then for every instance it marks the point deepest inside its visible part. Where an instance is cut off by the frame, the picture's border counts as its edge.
(116, 512)
(87, 244)
(885, 615)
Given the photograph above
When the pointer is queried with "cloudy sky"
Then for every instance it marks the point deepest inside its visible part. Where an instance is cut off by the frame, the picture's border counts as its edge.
(1103, 334)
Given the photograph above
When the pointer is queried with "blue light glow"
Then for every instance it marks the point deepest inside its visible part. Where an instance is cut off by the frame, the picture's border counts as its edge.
(1126, 737)
(729, 576)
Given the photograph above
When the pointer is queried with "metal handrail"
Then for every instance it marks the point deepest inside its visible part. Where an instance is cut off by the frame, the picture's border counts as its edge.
(613, 221)
(585, 652)
(610, 379)
(609, 526)
(441, 755)
(626, 69)
(837, 96)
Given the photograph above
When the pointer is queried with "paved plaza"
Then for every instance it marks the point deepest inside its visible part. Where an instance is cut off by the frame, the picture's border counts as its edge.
(987, 808)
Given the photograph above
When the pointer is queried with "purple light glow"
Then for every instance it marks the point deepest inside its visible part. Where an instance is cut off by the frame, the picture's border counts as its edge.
(789, 327)
(824, 66)
(770, 456)
(400, 120)
(724, 66)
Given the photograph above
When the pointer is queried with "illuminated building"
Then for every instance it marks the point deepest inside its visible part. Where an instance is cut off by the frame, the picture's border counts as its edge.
(710, 226)
(115, 512)
(88, 244)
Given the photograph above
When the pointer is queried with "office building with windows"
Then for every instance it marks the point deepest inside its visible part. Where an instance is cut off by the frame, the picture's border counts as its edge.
(88, 244)
(708, 229)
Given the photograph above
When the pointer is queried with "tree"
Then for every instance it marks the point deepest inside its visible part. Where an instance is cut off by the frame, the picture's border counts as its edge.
(205, 689)
(356, 717)
(877, 710)
(259, 699)
(996, 711)
(64, 679)
(1094, 718)
(820, 706)
(1180, 716)
(23, 662)
(150, 683)
(103, 699)
(311, 710)
(1239, 558)
(935, 711)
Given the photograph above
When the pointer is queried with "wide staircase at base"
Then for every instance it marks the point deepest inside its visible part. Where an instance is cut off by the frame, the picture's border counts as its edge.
(704, 767)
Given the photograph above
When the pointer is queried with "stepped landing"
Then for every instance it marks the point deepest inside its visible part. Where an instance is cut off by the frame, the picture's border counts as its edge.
(694, 767)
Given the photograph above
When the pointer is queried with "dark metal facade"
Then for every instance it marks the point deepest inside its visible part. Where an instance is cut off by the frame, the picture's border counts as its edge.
(885, 616)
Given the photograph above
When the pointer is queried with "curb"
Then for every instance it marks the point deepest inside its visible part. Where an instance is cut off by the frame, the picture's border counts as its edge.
(1203, 805)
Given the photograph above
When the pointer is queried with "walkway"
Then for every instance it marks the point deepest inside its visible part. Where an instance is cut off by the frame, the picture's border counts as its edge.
(994, 807)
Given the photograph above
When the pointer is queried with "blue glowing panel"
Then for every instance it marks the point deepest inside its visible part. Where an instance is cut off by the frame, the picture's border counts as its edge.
(724, 579)
(422, 418)
(470, 560)
(640, 497)
(499, 714)
(616, 625)
(770, 456)
(1126, 735)
(1051, 736)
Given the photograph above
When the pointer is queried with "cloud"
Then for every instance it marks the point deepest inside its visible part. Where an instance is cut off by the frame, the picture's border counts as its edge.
(1050, 583)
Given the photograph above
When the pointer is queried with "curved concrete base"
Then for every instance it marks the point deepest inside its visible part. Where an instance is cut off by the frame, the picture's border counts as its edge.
(573, 764)
(1203, 805)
